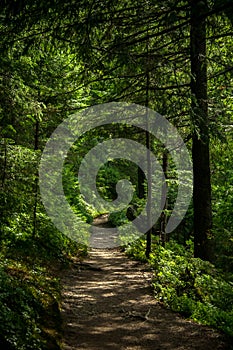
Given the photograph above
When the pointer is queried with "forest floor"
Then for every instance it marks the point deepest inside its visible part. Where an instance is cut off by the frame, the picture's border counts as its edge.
(108, 304)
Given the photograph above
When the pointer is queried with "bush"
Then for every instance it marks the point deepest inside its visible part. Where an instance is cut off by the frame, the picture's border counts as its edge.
(190, 286)
(29, 292)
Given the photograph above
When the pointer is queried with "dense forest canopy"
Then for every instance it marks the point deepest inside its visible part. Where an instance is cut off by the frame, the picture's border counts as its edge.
(60, 57)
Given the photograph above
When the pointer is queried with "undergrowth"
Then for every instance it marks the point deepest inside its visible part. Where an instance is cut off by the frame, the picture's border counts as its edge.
(30, 290)
(190, 286)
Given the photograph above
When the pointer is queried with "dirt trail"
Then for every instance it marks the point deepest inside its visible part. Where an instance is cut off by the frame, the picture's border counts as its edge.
(108, 304)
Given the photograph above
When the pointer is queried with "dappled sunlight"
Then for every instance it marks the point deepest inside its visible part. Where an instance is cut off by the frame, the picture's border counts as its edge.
(109, 304)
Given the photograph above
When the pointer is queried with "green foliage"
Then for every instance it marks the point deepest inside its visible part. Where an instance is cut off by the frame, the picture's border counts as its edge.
(72, 192)
(29, 292)
(30, 246)
(61, 56)
(193, 287)
(22, 304)
(222, 188)
(118, 218)
(137, 250)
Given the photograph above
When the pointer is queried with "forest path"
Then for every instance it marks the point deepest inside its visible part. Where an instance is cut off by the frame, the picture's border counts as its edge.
(108, 304)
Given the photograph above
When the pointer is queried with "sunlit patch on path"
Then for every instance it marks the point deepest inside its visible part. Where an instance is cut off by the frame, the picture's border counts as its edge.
(108, 304)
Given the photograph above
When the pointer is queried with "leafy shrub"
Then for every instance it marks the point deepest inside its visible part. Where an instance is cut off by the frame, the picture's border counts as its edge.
(188, 285)
(29, 294)
(20, 312)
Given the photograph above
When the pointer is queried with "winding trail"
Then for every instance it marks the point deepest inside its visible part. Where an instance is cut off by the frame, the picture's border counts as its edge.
(108, 305)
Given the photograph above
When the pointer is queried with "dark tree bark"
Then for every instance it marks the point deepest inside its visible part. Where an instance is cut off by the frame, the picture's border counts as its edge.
(163, 236)
(149, 203)
(141, 181)
(200, 148)
(148, 146)
(36, 143)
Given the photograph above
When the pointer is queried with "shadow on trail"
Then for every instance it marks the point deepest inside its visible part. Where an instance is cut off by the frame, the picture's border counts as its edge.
(109, 304)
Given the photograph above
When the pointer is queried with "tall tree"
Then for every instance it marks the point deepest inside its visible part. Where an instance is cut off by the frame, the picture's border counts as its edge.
(110, 39)
(200, 146)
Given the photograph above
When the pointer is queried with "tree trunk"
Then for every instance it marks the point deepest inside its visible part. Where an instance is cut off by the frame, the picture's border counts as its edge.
(200, 148)
(140, 186)
(36, 142)
(149, 202)
(148, 146)
(163, 236)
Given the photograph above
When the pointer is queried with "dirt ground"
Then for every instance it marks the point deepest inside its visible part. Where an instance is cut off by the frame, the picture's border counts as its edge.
(108, 304)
